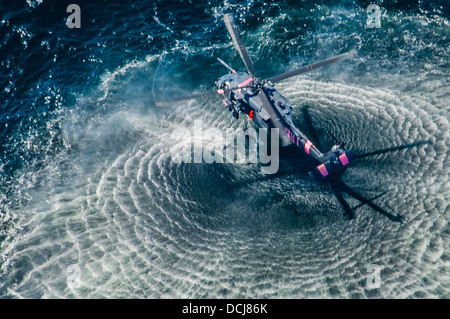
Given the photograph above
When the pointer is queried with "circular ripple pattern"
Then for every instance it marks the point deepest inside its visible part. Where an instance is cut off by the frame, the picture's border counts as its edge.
(94, 206)
(140, 225)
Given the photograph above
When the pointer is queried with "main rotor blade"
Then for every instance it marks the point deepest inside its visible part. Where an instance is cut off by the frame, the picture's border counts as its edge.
(310, 67)
(203, 94)
(277, 123)
(393, 149)
(185, 98)
(229, 22)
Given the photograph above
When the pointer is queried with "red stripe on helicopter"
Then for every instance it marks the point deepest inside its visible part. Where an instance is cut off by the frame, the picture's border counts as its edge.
(308, 147)
(323, 170)
(250, 115)
(344, 159)
(225, 102)
(245, 83)
(288, 133)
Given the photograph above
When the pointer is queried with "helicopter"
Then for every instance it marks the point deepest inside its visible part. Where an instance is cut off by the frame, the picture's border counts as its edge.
(258, 100)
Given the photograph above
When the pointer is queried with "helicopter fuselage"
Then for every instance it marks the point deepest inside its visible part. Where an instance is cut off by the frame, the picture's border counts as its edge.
(246, 99)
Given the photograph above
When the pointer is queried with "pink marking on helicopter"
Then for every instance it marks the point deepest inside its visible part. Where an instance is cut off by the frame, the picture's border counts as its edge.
(323, 170)
(288, 133)
(308, 146)
(344, 159)
(224, 102)
(220, 91)
(292, 136)
(245, 83)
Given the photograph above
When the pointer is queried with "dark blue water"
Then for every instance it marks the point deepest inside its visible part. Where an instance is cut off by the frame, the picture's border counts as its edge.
(93, 206)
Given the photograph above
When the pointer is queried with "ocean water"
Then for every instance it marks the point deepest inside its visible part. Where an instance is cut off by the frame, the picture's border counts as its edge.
(92, 205)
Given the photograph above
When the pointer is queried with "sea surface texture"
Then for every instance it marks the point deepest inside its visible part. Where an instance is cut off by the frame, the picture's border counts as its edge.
(93, 206)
